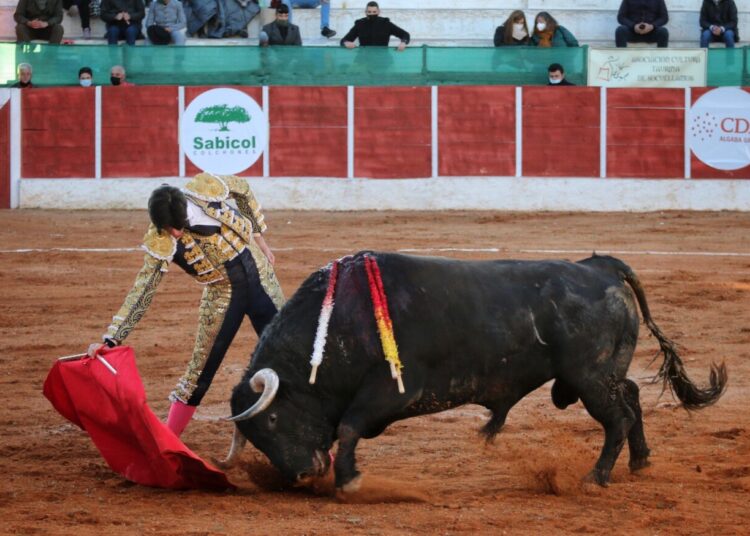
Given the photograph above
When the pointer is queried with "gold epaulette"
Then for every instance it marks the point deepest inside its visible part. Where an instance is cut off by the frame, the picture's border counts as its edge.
(161, 246)
(207, 187)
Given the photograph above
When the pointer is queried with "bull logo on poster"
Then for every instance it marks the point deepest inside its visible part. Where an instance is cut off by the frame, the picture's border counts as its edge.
(718, 128)
(223, 131)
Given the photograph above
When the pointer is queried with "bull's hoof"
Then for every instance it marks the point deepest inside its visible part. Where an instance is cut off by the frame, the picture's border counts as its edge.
(597, 477)
(637, 465)
(352, 486)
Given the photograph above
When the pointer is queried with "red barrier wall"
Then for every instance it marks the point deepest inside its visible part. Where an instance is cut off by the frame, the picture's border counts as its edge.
(645, 133)
(256, 170)
(139, 134)
(57, 135)
(392, 132)
(477, 130)
(561, 132)
(701, 170)
(5, 156)
(308, 131)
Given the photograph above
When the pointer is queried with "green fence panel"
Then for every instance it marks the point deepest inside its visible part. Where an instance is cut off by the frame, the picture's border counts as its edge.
(57, 65)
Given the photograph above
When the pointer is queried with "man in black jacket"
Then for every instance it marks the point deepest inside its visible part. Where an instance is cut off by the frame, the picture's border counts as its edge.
(556, 74)
(40, 19)
(280, 31)
(719, 22)
(642, 21)
(374, 31)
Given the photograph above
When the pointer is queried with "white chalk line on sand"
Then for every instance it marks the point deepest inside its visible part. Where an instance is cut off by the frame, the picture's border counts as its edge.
(431, 250)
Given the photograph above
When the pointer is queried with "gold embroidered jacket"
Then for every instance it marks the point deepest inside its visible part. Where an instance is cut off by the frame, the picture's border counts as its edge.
(203, 257)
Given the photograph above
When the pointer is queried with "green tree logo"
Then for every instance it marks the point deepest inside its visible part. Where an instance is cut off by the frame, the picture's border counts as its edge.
(222, 114)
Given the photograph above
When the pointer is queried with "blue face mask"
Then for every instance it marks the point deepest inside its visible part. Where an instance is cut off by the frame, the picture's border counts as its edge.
(86, 82)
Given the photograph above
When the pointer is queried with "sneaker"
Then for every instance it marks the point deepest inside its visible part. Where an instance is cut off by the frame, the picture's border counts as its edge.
(327, 32)
(87, 33)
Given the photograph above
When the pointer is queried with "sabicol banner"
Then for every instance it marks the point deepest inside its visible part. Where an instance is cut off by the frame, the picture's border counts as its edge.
(647, 67)
(223, 131)
(718, 128)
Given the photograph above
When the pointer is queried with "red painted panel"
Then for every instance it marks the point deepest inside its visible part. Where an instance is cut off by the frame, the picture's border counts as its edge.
(308, 131)
(561, 129)
(699, 170)
(477, 130)
(256, 170)
(139, 131)
(57, 133)
(5, 156)
(392, 132)
(645, 132)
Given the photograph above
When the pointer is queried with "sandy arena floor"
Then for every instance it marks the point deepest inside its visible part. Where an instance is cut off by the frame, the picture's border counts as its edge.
(429, 475)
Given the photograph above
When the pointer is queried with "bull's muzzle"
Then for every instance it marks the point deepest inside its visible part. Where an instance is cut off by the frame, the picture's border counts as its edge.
(266, 382)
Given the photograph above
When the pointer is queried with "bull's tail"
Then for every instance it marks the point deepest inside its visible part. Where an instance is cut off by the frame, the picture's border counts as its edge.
(672, 371)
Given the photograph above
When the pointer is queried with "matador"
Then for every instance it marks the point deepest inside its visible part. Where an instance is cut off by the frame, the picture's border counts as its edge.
(223, 248)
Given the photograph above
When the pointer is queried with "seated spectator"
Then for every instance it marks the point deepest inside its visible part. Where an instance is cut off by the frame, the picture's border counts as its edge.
(719, 22)
(82, 6)
(514, 31)
(23, 73)
(165, 23)
(642, 21)
(325, 13)
(280, 31)
(557, 76)
(123, 20)
(547, 33)
(39, 19)
(374, 30)
(117, 76)
(85, 76)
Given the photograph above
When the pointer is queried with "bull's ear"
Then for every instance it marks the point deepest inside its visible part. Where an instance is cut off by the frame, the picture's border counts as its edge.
(265, 381)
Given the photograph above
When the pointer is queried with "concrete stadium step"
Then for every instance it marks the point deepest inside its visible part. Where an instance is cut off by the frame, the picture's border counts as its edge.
(593, 22)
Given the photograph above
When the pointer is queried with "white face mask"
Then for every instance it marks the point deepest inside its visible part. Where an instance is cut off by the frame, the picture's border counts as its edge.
(554, 81)
(541, 26)
(86, 82)
(518, 31)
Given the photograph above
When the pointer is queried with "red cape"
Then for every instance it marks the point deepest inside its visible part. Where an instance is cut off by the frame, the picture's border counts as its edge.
(112, 408)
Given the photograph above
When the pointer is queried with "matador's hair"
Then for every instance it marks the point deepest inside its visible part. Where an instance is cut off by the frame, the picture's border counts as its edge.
(167, 207)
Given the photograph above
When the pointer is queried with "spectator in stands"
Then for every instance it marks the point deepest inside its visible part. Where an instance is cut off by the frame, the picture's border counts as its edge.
(23, 73)
(85, 76)
(39, 19)
(548, 33)
(82, 6)
(166, 23)
(280, 31)
(642, 21)
(374, 30)
(123, 20)
(117, 76)
(557, 76)
(325, 13)
(514, 31)
(719, 22)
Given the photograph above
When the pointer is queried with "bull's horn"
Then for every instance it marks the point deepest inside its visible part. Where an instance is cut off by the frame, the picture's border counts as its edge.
(265, 381)
(238, 443)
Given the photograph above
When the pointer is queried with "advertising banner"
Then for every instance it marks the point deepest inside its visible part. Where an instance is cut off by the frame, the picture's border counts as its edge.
(647, 67)
(718, 128)
(223, 131)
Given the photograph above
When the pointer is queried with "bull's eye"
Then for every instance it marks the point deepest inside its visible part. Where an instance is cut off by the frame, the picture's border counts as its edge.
(272, 421)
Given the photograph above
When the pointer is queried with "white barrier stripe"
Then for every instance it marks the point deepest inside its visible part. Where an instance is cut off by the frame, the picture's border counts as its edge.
(519, 131)
(180, 112)
(98, 132)
(350, 132)
(427, 250)
(267, 149)
(688, 164)
(434, 121)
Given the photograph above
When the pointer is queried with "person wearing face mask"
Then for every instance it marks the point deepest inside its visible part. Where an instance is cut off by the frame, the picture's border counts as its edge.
(547, 33)
(556, 75)
(85, 76)
(166, 23)
(514, 31)
(719, 22)
(280, 31)
(23, 72)
(642, 21)
(117, 76)
(374, 30)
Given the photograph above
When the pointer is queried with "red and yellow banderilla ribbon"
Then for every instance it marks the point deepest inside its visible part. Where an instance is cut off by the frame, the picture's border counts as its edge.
(383, 320)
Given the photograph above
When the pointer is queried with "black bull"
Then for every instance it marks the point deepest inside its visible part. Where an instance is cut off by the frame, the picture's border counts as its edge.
(485, 332)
